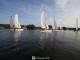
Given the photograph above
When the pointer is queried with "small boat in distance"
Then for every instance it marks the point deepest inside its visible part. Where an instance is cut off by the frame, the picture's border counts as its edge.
(15, 24)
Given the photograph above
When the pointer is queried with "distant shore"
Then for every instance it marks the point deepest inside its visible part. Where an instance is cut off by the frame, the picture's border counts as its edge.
(33, 27)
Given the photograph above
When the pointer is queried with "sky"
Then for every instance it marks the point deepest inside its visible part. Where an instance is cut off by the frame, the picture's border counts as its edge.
(65, 11)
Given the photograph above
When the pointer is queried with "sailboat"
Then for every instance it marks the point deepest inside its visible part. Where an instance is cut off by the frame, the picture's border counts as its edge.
(11, 22)
(14, 23)
(53, 24)
(77, 24)
(43, 21)
(47, 27)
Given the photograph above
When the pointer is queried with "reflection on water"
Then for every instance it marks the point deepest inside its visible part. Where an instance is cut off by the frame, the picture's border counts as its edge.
(47, 37)
(76, 36)
(43, 39)
(8, 41)
(58, 45)
(15, 35)
(54, 34)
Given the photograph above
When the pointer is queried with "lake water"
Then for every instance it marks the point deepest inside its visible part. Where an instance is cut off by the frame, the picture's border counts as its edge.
(58, 45)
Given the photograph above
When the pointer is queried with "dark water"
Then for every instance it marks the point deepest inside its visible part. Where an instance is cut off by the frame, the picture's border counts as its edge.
(59, 45)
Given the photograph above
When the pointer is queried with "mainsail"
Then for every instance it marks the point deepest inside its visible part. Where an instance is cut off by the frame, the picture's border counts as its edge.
(53, 23)
(14, 22)
(43, 19)
(11, 22)
(77, 24)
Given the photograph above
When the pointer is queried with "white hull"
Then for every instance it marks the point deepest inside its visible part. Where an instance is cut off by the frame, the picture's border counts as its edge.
(46, 30)
(50, 30)
(57, 30)
(16, 29)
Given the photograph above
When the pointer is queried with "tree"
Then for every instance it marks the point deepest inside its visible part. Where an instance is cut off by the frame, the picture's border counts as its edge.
(64, 28)
(30, 27)
(50, 27)
(59, 28)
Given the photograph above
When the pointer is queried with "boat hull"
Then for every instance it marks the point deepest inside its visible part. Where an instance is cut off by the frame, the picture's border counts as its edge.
(16, 29)
(50, 30)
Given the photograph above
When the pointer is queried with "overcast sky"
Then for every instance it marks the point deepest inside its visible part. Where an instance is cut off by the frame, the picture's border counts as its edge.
(65, 11)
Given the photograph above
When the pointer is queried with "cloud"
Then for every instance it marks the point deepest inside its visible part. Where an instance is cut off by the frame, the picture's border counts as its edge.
(69, 10)
(61, 3)
(66, 11)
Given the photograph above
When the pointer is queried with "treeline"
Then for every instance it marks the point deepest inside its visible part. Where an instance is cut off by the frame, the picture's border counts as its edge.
(4, 26)
(64, 28)
(28, 27)
(68, 28)
(32, 27)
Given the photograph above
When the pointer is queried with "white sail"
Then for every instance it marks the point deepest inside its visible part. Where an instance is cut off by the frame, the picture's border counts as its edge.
(14, 22)
(53, 23)
(19, 25)
(43, 19)
(77, 24)
(11, 21)
(47, 26)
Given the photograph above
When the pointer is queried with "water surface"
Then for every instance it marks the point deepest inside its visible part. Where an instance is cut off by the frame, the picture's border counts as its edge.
(21, 45)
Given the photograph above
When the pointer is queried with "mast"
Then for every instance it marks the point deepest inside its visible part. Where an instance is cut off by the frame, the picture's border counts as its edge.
(77, 24)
